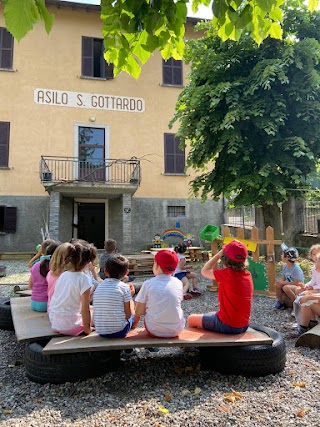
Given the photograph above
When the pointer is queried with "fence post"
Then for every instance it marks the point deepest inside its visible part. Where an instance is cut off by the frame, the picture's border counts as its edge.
(271, 265)
(240, 233)
(255, 237)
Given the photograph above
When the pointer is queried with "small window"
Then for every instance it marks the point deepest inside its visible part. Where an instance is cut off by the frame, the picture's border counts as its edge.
(8, 219)
(93, 62)
(176, 211)
(6, 49)
(174, 157)
(4, 143)
(172, 72)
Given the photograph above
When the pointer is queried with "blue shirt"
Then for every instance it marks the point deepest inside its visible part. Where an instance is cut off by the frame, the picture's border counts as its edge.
(292, 273)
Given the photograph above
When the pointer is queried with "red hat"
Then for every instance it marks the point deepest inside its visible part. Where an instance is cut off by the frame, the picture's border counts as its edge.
(167, 261)
(236, 251)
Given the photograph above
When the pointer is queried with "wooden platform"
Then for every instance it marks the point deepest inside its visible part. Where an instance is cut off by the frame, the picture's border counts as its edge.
(189, 337)
(31, 326)
(310, 339)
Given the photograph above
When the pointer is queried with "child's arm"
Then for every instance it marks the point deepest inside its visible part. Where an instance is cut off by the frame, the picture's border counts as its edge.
(140, 309)
(30, 282)
(207, 269)
(182, 263)
(34, 258)
(85, 311)
(94, 273)
(128, 309)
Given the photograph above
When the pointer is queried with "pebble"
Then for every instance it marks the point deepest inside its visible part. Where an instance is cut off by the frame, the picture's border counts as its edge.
(135, 395)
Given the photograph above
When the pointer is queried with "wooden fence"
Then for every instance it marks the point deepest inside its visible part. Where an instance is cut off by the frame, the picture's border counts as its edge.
(269, 241)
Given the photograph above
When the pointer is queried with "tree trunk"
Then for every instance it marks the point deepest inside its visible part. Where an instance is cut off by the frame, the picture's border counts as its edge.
(272, 217)
(293, 219)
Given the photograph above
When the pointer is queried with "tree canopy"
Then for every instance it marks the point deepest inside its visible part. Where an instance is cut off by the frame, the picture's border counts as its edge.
(251, 114)
(133, 29)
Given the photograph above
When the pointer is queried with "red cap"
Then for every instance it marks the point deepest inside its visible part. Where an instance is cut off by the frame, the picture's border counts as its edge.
(167, 261)
(236, 251)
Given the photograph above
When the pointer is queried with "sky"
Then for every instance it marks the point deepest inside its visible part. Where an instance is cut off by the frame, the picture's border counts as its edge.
(203, 11)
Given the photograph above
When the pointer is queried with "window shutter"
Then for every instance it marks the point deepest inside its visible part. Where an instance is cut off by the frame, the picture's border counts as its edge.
(87, 57)
(6, 49)
(10, 220)
(4, 143)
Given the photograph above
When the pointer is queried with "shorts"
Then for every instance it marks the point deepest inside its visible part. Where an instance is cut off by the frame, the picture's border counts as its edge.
(211, 322)
(39, 306)
(123, 332)
(73, 332)
(181, 275)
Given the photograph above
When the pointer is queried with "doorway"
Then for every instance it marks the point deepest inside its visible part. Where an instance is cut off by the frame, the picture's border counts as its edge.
(91, 223)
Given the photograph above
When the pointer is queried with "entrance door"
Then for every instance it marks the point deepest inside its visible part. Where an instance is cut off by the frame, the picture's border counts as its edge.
(91, 223)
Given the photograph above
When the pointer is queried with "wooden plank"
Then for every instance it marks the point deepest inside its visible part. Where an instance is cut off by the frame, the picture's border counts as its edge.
(189, 337)
(29, 325)
(310, 339)
(271, 265)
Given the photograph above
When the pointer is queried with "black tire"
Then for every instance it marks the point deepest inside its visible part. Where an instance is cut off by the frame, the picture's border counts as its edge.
(249, 361)
(6, 322)
(67, 367)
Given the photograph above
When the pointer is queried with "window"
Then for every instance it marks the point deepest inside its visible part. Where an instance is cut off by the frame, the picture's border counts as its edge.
(8, 219)
(172, 72)
(6, 49)
(176, 211)
(4, 143)
(174, 157)
(93, 62)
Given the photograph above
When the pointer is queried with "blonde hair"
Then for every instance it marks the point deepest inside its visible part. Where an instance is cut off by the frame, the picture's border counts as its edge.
(60, 258)
(314, 248)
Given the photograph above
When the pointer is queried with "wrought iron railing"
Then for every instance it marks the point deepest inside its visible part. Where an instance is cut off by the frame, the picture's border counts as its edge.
(74, 169)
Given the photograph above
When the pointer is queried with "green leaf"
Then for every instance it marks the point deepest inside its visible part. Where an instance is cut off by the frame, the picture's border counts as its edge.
(132, 67)
(313, 5)
(276, 14)
(141, 53)
(275, 30)
(21, 16)
(46, 16)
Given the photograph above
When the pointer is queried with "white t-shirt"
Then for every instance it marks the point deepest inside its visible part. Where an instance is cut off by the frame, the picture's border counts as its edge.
(65, 305)
(162, 295)
(108, 306)
(178, 269)
(315, 279)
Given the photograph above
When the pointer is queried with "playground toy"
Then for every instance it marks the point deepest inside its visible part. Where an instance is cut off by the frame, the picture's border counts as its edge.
(209, 233)
(251, 246)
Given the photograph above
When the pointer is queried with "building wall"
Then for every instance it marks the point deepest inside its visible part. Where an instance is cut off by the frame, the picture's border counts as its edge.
(54, 62)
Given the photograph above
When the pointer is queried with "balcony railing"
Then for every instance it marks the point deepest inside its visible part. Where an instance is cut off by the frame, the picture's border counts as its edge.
(74, 169)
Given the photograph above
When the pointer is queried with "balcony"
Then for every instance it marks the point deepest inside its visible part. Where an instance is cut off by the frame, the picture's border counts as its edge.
(76, 176)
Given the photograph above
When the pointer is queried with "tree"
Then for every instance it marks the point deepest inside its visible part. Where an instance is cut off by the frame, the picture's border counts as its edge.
(133, 29)
(252, 114)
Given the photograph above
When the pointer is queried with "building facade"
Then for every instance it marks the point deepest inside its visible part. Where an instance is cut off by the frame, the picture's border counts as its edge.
(86, 154)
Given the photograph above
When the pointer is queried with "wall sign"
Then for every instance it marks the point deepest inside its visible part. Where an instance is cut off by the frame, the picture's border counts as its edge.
(96, 101)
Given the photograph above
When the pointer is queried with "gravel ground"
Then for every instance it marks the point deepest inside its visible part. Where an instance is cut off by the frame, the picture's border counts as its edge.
(166, 388)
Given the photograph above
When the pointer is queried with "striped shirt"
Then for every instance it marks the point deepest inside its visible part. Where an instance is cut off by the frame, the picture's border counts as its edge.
(108, 306)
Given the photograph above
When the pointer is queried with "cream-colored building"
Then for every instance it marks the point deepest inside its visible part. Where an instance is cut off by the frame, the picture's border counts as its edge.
(88, 154)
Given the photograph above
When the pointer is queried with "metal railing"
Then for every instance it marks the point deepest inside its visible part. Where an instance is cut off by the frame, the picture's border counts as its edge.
(244, 216)
(74, 169)
(312, 217)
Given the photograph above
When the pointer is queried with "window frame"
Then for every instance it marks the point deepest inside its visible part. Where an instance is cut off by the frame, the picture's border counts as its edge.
(173, 155)
(4, 142)
(3, 49)
(171, 65)
(8, 219)
(174, 210)
(88, 60)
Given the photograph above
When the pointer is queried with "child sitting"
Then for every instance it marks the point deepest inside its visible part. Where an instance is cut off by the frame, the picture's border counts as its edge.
(292, 276)
(41, 251)
(113, 309)
(234, 292)
(159, 299)
(38, 280)
(182, 273)
(70, 304)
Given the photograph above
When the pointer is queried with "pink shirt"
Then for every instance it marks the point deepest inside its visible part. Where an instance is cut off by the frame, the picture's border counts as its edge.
(39, 285)
(51, 279)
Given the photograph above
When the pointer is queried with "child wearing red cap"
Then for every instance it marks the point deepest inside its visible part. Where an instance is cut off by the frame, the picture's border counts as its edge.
(234, 292)
(159, 299)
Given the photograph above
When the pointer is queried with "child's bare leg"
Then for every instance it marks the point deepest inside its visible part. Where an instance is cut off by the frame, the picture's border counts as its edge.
(195, 320)
(194, 279)
(290, 290)
(278, 288)
(186, 285)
